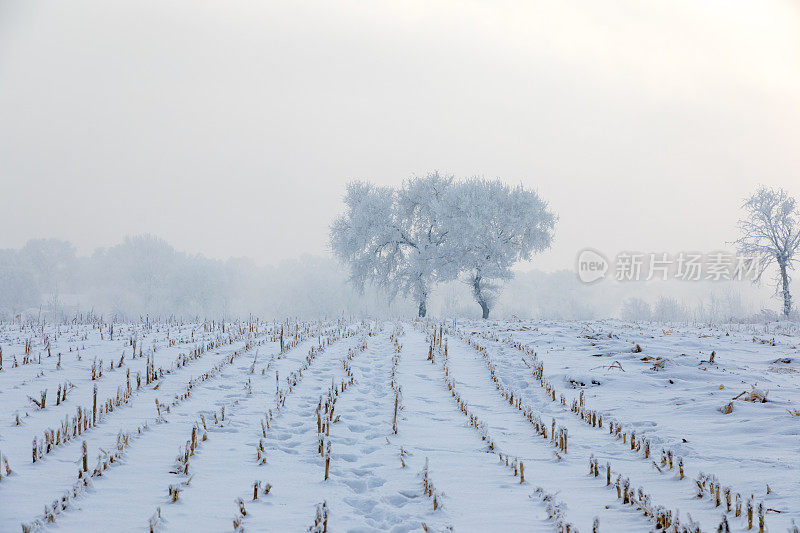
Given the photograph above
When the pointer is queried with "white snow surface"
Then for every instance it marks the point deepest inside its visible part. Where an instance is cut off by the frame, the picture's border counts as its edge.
(456, 414)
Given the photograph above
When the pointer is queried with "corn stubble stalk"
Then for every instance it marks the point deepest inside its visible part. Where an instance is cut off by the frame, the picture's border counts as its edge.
(174, 493)
(4, 466)
(396, 409)
(259, 487)
(327, 460)
(554, 510)
(398, 391)
(320, 519)
(242, 512)
(154, 520)
(428, 488)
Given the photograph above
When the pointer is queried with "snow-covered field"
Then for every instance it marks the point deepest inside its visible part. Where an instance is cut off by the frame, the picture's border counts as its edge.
(453, 425)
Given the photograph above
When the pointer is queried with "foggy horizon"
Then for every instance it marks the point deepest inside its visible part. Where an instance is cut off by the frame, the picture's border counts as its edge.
(232, 133)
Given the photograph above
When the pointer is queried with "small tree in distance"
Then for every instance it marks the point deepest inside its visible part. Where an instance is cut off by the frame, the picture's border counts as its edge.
(634, 309)
(770, 233)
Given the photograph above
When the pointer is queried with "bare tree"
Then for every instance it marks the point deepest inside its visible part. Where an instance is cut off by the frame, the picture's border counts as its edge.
(770, 232)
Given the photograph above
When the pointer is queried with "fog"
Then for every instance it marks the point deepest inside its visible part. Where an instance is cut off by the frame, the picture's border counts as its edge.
(145, 276)
(230, 129)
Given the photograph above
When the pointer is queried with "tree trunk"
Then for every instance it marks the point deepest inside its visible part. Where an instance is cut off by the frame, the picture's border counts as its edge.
(476, 290)
(787, 298)
(422, 309)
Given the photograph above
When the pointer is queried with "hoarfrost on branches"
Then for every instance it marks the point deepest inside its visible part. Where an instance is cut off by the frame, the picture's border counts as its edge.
(770, 233)
(494, 226)
(435, 229)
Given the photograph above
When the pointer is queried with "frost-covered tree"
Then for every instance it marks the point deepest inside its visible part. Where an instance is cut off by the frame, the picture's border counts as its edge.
(361, 235)
(49, 260)
(635, 309)
(421, 253)
(18, 290)
(668, 309)
(491, 226)
(139, 272)
(395, 239)
(432, 229)
(770, 233)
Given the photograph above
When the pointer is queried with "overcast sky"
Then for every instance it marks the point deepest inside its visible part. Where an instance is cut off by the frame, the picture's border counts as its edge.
(230, 127)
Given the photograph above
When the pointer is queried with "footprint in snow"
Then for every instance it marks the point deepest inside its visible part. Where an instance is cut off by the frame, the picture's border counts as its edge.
(364, 506)
(356, 485)
(397, 500)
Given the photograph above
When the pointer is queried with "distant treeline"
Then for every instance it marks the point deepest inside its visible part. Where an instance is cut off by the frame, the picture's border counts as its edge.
(144, 275)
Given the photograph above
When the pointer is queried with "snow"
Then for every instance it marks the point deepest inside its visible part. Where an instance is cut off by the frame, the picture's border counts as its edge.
(456, 415)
